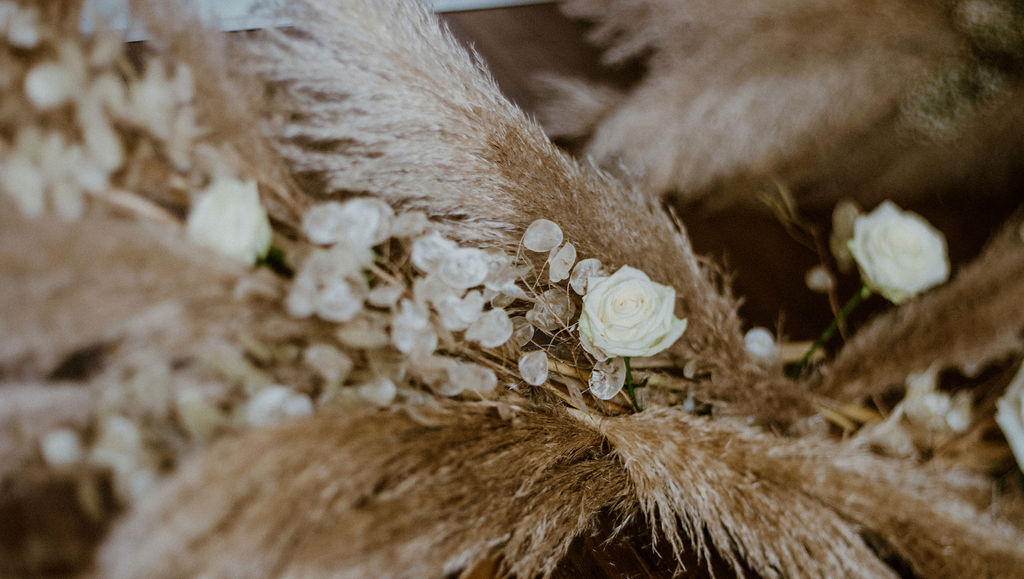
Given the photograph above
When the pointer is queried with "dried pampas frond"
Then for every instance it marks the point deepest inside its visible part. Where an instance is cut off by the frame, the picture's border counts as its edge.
(403, 113)
(831, 99)
(375, 494)
(388, 377)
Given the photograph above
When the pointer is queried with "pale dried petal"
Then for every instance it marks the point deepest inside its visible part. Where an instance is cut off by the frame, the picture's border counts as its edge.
(457, 315)
(522, 332)
(61, 448)
(275, 403)
(411, 332)
(433, 290)
(428, 251)
(198, 415)
(542, 235)
(25, 183)
(492, 329)
(554, 310)
(23, 28)
(607, 378)
(329, 362)
(818, 279)
(469, 376)
(533, 367)
(48, 85)
(364, 332)
(340, 301)
(581, 274)
(464, 268)
(385, 296)
(561, 262)
(380, 392)
(760, 345)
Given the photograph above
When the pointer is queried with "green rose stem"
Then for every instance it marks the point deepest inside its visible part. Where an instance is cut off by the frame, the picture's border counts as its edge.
(629, 384)
(825, 336)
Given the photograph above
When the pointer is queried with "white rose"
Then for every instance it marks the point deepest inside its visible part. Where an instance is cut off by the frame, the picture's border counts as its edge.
(229, 218)
(627, 314)
(1010, 416)
(899, 253)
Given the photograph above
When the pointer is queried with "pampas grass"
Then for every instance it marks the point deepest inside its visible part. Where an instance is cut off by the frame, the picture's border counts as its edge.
(742, 95)
(242, 435)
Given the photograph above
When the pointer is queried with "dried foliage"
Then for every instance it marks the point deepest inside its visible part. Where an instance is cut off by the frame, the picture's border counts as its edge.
(351, 415)
(359, 494)
(826, 97)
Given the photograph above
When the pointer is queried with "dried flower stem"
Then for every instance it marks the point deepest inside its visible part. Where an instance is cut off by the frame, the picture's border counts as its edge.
(830, 331)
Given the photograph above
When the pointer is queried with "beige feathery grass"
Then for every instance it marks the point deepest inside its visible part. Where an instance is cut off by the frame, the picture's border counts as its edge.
(375, 98)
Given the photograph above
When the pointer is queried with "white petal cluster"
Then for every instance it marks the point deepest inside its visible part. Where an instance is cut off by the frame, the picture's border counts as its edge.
(100, 110)
(359, 223)
(274, 404)
(330, 284)
(229, 218)
(627, 314)
(899, 253)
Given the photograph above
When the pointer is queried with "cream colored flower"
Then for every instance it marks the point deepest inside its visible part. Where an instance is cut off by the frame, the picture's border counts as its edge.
(627, 314)
(899, 253)
(229, 218)
(1010, 416)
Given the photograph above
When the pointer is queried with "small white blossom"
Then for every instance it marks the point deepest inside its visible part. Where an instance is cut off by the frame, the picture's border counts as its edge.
(760, 345)
(607, 378)
(899, 253)
(542, 235)
(533, 367)
(627, 314)
(229, 218)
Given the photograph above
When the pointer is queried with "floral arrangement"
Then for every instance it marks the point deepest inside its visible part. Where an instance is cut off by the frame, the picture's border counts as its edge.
(362, 326)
